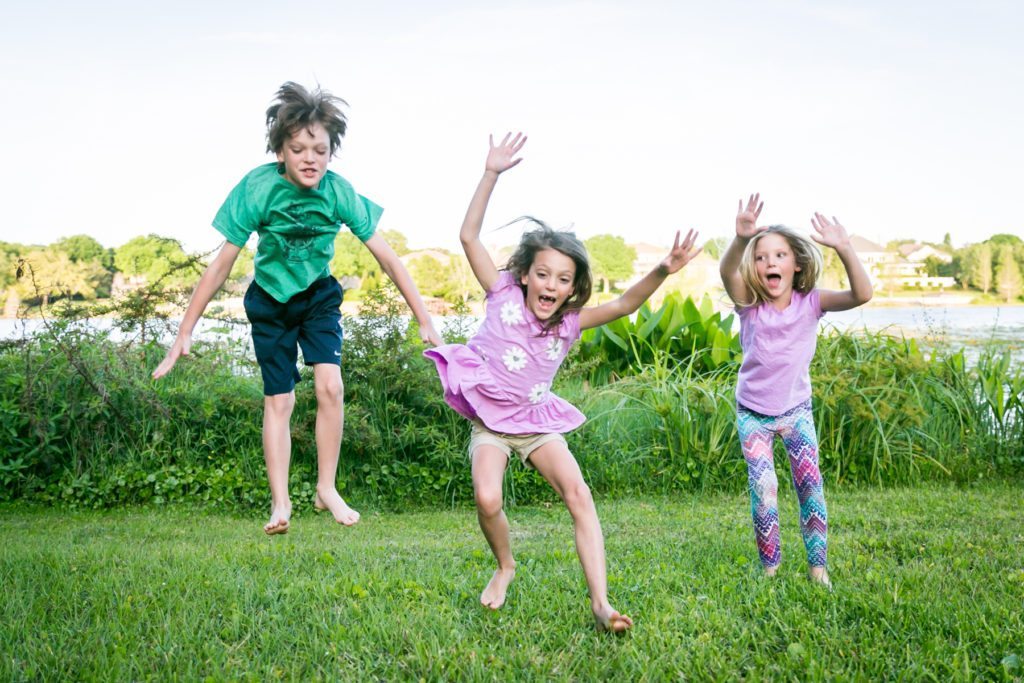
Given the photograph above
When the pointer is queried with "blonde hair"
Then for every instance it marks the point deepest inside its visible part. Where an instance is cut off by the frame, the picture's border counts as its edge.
(805, 253)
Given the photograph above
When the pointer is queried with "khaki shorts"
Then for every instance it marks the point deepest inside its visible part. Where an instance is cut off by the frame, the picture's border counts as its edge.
(522, 444)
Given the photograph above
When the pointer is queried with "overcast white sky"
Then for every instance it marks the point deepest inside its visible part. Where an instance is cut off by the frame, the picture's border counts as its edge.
(902, 118)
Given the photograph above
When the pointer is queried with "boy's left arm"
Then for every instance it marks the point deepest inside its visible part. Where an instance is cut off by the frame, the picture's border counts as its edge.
(635, 296)
(393, 268)
(833, 234)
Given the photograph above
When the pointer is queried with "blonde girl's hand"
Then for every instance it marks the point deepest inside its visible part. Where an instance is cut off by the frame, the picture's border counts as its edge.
(681, 254)
(830, 234)
(746, 217)
(502, 156)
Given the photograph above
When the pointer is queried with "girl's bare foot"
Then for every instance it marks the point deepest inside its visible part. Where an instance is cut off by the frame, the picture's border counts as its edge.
(607, 619)
(770, 571)
(331, 500)
(820, 575)
(494, 594)
(279, 520)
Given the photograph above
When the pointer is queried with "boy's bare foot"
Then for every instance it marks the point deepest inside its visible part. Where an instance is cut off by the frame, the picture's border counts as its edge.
(279, 521)
(607, 619)
(494, 594)
(331, 500)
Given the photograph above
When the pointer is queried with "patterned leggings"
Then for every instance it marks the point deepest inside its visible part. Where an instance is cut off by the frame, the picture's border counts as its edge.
(757, 433)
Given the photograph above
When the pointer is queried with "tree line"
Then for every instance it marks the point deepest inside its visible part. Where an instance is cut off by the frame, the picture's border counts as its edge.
(82, 269)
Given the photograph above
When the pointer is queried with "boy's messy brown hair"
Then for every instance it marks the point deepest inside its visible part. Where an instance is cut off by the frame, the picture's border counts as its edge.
(295, 108)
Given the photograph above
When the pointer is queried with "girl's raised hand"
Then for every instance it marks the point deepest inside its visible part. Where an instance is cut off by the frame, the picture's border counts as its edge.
(681, 254)
(746, 218)
(502, 156)
(831, 234)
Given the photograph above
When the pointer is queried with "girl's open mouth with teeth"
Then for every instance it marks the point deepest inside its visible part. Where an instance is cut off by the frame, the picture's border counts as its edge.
(546, 300)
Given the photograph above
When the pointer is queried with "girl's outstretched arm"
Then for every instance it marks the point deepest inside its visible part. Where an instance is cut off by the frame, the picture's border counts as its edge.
(679, 256)
(211, 280)
(833, 234)
(393, 268)
(729, 266)
(500, 158)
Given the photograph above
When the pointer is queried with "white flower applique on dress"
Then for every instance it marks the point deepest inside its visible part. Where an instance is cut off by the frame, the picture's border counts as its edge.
(554, 348)
(538, 392)
(514, 358)
(511, 313)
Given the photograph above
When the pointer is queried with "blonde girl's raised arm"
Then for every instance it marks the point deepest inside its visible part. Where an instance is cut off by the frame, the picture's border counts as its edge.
(729, 266)
(833, 234)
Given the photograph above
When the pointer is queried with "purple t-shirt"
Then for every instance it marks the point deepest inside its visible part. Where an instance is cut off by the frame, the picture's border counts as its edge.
(777, 350)
(502, 376)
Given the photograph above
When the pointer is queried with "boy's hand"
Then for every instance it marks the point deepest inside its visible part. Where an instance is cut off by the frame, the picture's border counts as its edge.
(746, 218)
(501, 157)
(829, 234)
(180, 347)
(680, 255)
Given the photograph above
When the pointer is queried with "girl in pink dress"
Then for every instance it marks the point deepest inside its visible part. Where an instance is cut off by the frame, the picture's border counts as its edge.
(501, 378)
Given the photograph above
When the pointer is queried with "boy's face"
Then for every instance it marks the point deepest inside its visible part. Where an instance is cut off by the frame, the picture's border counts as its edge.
(305, 155)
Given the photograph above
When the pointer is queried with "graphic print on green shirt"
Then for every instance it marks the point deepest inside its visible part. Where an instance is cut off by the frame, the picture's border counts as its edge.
(296, 227)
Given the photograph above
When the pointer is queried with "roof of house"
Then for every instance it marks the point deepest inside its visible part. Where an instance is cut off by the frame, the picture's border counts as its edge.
(862, 244)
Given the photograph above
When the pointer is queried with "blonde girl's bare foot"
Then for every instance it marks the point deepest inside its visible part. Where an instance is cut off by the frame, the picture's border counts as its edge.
(494, 594)
(819, 575)
(279, 521)
(607, 619)
(331, 500)
(771, 571)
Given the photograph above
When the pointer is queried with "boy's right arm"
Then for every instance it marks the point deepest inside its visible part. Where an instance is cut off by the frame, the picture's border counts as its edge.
(500, 158)
(212, 280)
(729, 266)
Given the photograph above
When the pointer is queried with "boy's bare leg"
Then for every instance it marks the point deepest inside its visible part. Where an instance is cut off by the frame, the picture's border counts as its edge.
(488, 472)
(277, 449)
(554, 461)
(330, 418)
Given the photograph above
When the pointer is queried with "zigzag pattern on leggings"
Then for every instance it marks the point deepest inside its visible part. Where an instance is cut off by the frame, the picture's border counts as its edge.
(796, 428)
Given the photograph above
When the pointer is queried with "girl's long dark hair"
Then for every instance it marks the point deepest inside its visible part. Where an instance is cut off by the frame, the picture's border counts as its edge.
(544, 237)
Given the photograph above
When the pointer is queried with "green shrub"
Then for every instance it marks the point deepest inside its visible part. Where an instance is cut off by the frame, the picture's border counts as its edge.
(82, 423)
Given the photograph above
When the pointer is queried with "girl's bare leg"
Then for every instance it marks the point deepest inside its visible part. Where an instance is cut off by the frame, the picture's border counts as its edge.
(277, 450)
(330, 418)
(554, 461)
(489, 465)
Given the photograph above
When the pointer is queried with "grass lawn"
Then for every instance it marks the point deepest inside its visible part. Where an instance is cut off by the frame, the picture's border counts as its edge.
(929, 584)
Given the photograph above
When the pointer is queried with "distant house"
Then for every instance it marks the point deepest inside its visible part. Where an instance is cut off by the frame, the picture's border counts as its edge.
(647, 257)
(901, 268)
(441, 257)
(919, 253)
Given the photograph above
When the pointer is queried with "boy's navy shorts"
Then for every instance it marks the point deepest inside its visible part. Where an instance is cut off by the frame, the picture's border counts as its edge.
(311, 319)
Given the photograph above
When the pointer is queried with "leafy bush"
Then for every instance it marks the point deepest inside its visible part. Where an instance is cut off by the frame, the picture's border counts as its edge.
(679, 329)
(82, 423)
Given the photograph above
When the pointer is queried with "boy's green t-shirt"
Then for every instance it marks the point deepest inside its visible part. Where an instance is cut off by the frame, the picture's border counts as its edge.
(296, 227)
